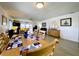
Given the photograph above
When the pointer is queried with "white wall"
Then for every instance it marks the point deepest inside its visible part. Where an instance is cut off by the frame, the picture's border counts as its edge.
(78, 29)
(66, 32)
(3, 28)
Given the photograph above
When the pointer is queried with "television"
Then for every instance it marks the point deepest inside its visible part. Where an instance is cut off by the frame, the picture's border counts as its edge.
(16, 24)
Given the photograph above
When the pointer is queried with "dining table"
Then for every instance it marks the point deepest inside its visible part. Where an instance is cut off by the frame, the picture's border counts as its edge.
(25, 42)
(11, 52)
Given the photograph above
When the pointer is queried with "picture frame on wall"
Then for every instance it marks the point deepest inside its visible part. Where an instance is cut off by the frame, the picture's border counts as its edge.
(66, 22)
(44, 25)
(4, 20)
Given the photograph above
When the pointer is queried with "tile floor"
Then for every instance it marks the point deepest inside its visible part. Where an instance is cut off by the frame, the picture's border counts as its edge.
(65, 47)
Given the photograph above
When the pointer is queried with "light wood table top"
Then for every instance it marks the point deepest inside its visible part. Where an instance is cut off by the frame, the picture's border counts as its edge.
(29, 41)
(11, 52)
(26, 42)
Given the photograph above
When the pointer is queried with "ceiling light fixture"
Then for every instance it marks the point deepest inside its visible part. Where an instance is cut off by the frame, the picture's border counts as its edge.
(40, 4)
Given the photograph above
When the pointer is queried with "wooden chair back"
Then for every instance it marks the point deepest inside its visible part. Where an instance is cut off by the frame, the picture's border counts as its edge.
(41, 34)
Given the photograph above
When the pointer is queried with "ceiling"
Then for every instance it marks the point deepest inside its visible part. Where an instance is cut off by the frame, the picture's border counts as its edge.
(27, 9)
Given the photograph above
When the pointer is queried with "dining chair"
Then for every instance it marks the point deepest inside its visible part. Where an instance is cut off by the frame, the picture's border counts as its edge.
(41, 34)
(35, 32)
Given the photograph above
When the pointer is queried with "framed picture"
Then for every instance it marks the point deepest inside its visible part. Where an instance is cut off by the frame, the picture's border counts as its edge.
(44, 25)
(4, 20)
(66, 22)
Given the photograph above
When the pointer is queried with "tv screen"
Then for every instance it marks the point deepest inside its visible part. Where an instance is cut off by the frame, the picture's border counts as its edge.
(16, 24)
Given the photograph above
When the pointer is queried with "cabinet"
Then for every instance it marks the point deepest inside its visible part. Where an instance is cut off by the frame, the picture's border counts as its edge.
(54, 32)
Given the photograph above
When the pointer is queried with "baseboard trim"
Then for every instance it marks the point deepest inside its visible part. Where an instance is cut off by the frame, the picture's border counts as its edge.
(70, 40)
